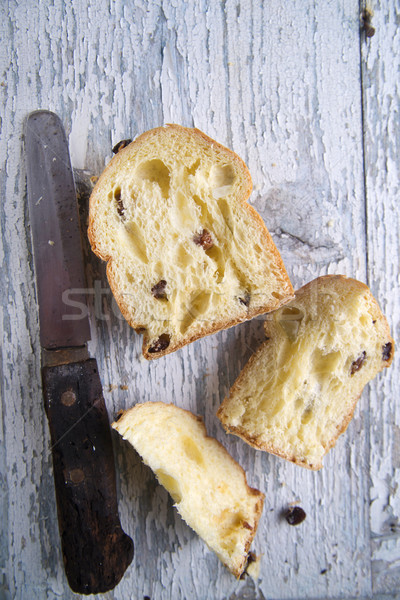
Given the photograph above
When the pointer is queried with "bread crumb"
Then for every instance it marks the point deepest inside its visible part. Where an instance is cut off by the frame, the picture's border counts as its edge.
(253, 567)
(112, 387)
(294, 503)
(119, 415)
(123, 387)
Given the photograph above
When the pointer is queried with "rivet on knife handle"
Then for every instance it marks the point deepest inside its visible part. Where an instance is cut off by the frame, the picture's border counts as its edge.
(96, 551)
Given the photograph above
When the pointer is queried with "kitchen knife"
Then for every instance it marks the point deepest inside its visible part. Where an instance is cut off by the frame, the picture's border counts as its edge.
(96, 551)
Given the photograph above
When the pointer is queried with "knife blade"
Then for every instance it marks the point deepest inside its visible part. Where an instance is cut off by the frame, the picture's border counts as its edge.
(96, 551)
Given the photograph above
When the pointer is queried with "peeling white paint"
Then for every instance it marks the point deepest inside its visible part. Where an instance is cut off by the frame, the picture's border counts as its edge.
(78, 137)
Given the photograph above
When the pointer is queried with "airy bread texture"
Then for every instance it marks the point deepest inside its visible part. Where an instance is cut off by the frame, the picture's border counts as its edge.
(298, 392)
(209, 488)
(187, 255)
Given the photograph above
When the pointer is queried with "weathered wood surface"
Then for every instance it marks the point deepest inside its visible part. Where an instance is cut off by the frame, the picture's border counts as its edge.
(381, 91)
(313, 108)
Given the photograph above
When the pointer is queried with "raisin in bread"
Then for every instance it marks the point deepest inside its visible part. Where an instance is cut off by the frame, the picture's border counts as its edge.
(298, 392)
(187, 255)
(209, 487)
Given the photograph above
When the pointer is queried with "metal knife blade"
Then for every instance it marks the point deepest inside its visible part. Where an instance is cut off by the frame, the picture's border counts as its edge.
(56, 237)
(96, 551)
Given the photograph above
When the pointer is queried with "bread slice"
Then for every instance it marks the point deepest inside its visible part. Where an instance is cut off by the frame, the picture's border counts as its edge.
(209, 487)
(298, 392)
(187, 256)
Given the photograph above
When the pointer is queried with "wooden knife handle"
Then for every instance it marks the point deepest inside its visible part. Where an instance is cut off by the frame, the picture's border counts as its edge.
(96, 550)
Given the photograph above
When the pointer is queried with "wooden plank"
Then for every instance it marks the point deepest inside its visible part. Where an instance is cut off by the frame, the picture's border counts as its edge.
(280, 85)
(380, 71)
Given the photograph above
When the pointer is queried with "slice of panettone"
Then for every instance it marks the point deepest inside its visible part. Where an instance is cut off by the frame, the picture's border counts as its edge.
(298, 392)
(187, 255)
(208, 486)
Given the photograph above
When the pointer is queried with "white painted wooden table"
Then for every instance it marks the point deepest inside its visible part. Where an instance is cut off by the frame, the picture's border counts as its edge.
(313, 108)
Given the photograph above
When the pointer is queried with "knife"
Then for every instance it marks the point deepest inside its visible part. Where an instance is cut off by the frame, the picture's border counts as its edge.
(96, 551)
